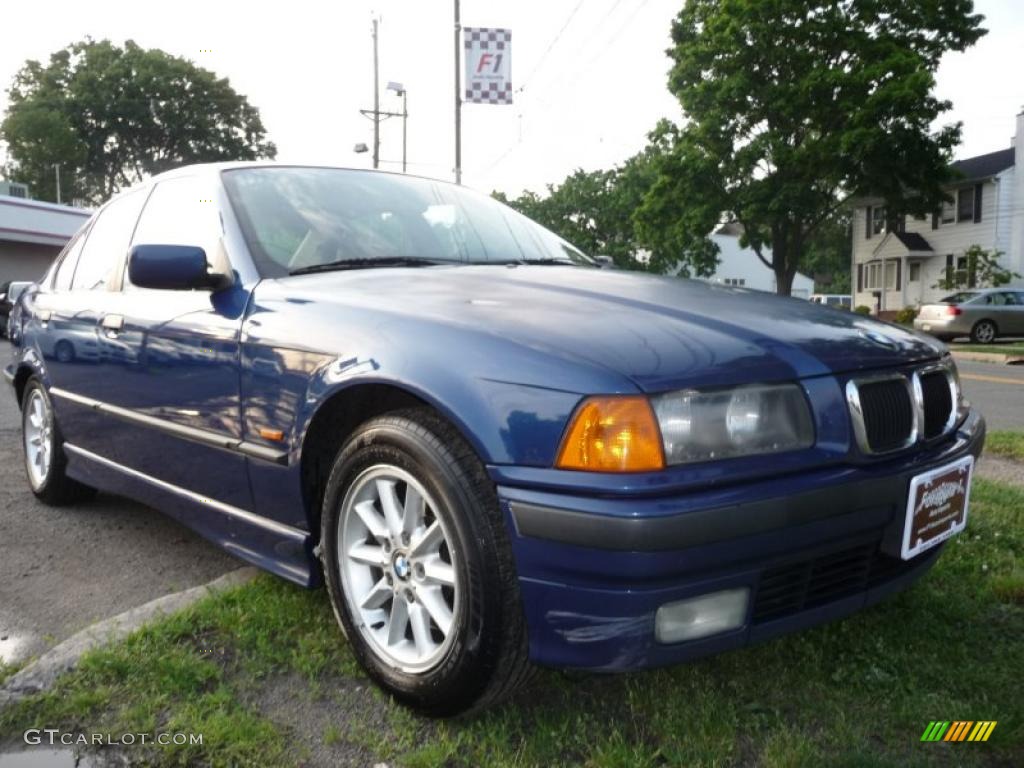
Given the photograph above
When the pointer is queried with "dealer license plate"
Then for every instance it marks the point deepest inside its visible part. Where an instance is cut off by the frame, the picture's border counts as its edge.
(937, 506)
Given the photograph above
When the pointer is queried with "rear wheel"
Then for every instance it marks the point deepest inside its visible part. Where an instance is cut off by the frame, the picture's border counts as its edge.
(64, 351)
(45, 462)
(984, 332)
(419, 568)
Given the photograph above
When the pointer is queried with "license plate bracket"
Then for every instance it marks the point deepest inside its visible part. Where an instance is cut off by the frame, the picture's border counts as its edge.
(937, 504)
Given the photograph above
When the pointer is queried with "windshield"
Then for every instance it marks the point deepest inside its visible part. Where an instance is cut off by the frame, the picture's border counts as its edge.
(298, 219)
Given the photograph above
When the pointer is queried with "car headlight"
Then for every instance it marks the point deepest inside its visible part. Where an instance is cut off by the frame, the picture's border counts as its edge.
(745, 421)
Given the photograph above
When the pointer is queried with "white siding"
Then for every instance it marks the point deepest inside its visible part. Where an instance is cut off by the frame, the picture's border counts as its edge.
(737, 263)
(953, 238)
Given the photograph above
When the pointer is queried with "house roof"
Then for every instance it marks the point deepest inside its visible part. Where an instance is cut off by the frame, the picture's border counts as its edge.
(984, 166)
(914, 241)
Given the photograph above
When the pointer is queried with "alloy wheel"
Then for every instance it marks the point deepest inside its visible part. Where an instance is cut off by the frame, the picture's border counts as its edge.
(985, 332)
(37, 426)
(398, 568)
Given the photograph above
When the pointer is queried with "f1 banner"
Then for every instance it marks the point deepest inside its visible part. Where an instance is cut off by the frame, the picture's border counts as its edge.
(488, 61)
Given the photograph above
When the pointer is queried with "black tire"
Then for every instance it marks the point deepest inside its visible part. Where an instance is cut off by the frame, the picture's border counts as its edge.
(984, 332)
(56, 488)
(64, 351)
(488, 656)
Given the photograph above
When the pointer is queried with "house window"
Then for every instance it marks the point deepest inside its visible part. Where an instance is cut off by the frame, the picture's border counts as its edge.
(915, 272)
(877, 220)
(873, 276)
(965, 204)
(948, 212)
(964, 273)
(737, 281)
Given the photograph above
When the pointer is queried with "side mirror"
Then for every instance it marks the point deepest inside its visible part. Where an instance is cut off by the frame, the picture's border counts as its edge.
(174, 268)
(604, 261)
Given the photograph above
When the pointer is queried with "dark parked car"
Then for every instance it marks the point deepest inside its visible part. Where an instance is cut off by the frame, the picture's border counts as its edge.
(492, 452)
(9, 293)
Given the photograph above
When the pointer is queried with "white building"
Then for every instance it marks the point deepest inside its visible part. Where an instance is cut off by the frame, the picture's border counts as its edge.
(899, 268)
(741, 267)
(32, 233)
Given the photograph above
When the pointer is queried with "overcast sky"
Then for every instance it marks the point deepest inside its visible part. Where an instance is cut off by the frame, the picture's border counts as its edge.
(592, 75)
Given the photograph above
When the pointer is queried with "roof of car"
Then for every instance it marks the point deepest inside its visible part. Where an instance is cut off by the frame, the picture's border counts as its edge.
(191, 170)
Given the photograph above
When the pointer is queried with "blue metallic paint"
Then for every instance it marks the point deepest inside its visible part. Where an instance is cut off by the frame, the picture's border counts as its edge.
(505, 353)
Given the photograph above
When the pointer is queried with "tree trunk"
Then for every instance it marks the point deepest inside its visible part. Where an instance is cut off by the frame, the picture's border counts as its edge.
(787, 248)
(783, 280)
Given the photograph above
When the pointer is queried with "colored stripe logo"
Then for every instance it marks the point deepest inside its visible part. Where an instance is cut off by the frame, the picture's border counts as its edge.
(958, 730)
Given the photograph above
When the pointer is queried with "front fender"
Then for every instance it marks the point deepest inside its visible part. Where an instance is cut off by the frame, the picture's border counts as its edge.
(505, 422)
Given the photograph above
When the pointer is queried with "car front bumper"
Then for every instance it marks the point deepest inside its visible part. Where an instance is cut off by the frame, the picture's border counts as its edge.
(810, 547)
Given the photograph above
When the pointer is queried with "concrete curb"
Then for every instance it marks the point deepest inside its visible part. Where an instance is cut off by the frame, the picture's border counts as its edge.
(988, 357)
(41, 674)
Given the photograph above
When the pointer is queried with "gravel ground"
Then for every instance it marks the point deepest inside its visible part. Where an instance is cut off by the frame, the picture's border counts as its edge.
(63, 569)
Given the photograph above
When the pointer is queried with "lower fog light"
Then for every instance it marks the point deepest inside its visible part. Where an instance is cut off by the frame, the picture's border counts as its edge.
(701, 616)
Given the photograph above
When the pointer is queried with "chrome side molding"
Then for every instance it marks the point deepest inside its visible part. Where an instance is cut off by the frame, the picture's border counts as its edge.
(226, 509)
(203, 436)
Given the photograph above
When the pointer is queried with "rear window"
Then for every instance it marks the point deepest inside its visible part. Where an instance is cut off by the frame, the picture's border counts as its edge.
(959, 298)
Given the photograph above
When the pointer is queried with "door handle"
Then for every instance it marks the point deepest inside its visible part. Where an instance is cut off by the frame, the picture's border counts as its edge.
(112, 324)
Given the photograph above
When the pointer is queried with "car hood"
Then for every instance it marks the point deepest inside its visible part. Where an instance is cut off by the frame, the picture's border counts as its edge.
(661, 332)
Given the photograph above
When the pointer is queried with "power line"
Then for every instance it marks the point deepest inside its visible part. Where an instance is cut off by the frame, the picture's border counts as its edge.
(544, 56)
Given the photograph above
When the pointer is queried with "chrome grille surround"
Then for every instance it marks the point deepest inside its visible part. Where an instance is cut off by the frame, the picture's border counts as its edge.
(915, 390)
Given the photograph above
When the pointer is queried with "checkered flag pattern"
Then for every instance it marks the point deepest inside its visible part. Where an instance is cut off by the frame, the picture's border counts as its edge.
(488, 52)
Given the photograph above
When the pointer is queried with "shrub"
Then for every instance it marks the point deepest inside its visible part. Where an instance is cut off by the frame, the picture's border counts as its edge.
(906, 315)
(860, 309)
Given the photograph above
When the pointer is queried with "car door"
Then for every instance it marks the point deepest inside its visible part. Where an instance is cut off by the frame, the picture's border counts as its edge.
(64, 325)
(1015, 313)
(170, 357)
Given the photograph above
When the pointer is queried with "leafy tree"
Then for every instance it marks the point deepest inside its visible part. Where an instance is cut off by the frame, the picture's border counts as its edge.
(594, 209)
(111, 116)
(829, 254)
(792, 105)
(983, 270)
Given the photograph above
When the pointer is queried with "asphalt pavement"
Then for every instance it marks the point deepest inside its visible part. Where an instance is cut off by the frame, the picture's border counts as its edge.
(997, 391)
(61, 569)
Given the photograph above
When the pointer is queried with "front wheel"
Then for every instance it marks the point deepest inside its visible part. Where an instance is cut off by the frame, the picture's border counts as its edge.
(45, 463)
(984, 332)
(419, 568)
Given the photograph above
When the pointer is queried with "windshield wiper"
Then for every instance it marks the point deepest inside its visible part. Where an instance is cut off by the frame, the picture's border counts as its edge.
(388, 261)
(563, 262)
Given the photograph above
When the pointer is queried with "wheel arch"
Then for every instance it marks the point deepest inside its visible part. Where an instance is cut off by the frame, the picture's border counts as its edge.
(338, 414)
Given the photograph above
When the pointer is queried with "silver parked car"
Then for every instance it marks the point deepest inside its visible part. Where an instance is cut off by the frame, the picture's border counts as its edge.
(982, 315)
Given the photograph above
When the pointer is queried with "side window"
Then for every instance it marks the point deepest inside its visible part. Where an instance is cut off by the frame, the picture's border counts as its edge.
(68, 262)
(107, 243)
(179, 211)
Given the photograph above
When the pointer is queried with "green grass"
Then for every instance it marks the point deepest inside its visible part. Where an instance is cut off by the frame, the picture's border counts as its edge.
(858, 692)
(1006, 443)
(996, 348)
(6, 670)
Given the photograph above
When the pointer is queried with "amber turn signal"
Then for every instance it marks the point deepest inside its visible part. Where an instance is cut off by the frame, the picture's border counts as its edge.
(612, 434)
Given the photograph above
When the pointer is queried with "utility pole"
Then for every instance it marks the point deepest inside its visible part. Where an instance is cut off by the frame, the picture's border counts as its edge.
(56, 167)
(376, 101)
(458, 99)
(405, 123)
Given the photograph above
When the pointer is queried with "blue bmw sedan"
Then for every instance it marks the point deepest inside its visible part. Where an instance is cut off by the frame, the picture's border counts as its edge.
(492, 452)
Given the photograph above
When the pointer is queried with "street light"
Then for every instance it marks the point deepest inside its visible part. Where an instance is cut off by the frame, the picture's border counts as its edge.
(399, 90)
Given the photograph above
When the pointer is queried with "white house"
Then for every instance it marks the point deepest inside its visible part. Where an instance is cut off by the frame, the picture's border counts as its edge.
(896, 266)
(740, 266)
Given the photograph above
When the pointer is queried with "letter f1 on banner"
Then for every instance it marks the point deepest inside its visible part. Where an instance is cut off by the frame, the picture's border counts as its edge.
(488, 65)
